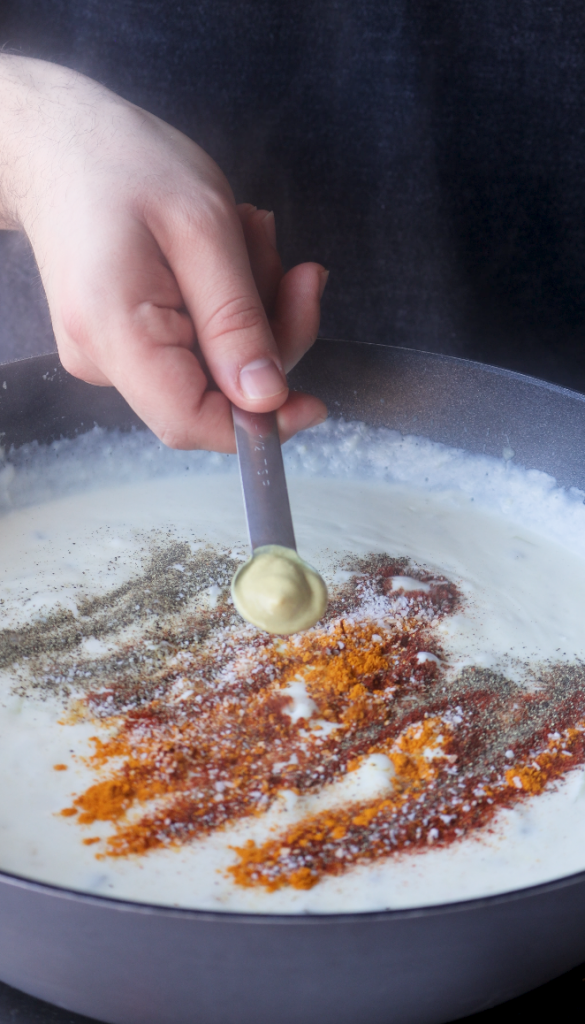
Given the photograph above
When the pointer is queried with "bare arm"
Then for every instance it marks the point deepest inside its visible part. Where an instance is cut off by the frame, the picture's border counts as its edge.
(156, 282)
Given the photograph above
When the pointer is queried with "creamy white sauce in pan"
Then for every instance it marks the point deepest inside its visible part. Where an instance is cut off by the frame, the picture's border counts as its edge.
(512, 545)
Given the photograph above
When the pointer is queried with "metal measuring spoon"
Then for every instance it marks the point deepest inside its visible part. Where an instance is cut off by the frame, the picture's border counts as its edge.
(275, 589)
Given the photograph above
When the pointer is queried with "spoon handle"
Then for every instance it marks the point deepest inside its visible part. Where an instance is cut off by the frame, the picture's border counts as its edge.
(263, 480)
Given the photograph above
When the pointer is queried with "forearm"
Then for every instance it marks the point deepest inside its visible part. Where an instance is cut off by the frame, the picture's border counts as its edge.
(44, 109)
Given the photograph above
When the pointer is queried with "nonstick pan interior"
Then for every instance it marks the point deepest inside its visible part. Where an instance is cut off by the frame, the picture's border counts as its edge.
(129, 964)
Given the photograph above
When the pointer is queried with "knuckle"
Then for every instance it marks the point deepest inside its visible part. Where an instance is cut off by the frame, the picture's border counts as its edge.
(214, 195)
(72, 362)
(173, 437)
(219, 205)
(235, 316)
(197, 212)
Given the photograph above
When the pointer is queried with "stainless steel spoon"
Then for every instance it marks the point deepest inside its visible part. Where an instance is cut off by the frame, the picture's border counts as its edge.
(263, 480)
(275, 590)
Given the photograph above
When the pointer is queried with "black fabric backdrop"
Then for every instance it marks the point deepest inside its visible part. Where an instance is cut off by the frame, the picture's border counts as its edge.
(430, 154)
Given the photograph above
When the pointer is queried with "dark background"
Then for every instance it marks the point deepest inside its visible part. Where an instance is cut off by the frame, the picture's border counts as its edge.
(430, 154)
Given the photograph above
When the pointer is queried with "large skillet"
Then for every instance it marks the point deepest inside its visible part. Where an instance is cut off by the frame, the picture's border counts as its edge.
(130, 964)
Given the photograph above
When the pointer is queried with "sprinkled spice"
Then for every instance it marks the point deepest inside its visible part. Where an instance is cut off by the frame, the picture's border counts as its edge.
(44, 655)
(217, 744)
(205, 722)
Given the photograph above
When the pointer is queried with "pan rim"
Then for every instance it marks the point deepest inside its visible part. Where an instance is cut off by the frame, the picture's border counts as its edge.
(302, 919)
(490, 368)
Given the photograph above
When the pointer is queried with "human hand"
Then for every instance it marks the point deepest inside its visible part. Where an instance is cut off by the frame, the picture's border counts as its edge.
(156, 282)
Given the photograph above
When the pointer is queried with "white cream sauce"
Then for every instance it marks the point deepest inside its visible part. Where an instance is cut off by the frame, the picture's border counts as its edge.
(524, 603)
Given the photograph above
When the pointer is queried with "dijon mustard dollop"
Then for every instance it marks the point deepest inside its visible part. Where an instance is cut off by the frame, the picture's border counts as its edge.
(279, 592)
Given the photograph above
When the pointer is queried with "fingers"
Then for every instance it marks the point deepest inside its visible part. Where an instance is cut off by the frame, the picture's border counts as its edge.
(208, 254)
(297, 311)
(76, 363)
(299, 412)
(119, 319)
(160, 379)
(260, 236)
(292, 301)
(168, 389)
(122, 321)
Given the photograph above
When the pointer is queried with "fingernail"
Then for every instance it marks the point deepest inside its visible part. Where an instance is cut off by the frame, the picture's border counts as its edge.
(269, 225)
(324, 277)
(261, 379)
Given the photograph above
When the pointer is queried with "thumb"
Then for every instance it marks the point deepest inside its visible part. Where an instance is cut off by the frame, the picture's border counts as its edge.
(209, 259)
